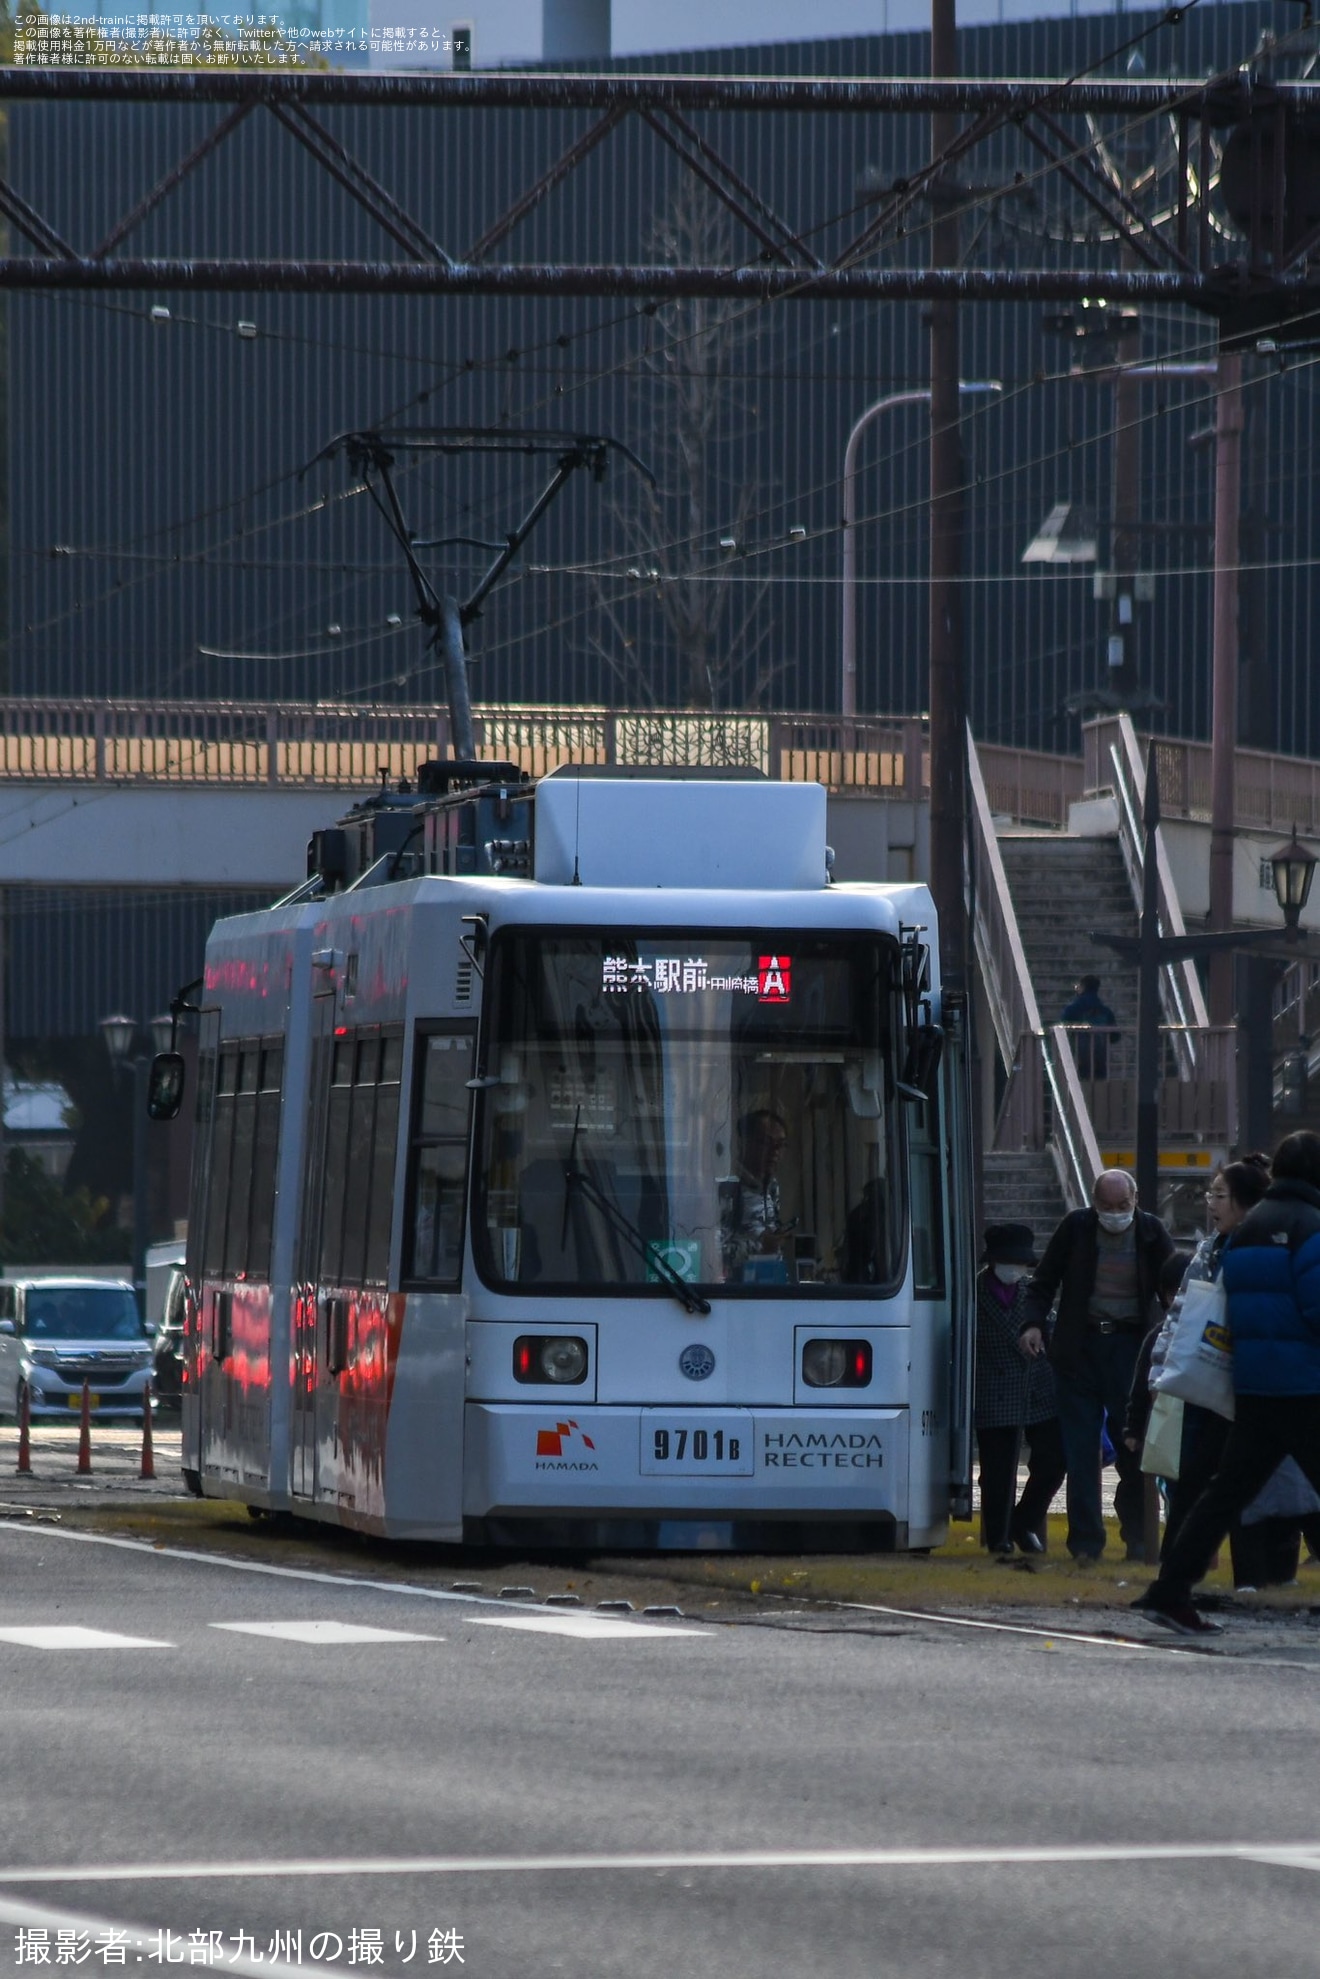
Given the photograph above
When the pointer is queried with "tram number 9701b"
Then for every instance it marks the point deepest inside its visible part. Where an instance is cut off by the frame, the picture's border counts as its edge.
(706, 1443)
(676, 1443)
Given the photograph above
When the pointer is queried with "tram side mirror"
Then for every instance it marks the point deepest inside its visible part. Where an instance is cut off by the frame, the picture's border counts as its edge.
(165, 1085)
(922, 1065)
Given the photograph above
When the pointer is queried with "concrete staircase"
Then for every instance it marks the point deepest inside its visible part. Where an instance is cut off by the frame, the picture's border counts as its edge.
(1062, 887)
(1022, 1187)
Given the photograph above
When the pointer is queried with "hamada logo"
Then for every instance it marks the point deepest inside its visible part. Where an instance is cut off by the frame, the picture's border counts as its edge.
(774, 978)
(550, 1442)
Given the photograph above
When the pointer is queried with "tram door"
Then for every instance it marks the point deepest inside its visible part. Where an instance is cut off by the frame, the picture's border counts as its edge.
(308, 1343)
(956, 1079)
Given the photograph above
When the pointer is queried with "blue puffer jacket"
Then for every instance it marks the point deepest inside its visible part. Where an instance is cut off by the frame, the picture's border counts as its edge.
(1271, 1274)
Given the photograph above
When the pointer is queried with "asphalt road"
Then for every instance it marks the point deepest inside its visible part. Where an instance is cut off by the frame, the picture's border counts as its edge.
(799, 1793)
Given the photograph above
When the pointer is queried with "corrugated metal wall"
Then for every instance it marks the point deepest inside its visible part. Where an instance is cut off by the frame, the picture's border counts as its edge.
(77, 954)
(169, 457)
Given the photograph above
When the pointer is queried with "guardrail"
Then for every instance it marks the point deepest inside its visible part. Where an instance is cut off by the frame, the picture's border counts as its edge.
(350, 746)
(1102, 1113)
(1270, 793)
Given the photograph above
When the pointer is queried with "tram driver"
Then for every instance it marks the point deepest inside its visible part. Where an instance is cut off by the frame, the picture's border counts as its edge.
(752, 1227)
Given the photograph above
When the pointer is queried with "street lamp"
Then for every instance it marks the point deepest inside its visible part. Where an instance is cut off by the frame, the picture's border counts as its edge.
(1293, 866)
(125, 1041)
(848, 687)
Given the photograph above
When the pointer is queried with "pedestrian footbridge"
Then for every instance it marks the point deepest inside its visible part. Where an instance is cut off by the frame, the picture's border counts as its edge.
(125, 826)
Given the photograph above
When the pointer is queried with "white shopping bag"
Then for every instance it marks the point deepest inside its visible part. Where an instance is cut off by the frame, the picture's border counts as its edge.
(1198, 1365)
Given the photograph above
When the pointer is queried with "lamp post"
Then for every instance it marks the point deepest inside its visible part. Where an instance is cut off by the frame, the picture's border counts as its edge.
(127, 1042)
(1293, 867)
(848, 683)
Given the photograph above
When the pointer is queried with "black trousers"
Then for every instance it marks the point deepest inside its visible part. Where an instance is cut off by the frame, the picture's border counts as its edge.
(1204, 1439)
(1267, 1429)
(999, 1450)
(1265, 1553)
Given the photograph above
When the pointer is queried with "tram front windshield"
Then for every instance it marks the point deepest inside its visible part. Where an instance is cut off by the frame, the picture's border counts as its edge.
(681, 1107)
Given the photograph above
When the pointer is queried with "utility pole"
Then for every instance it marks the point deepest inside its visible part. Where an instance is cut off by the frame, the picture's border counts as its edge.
(1126, 510)
(947, 722)
(1224, 693)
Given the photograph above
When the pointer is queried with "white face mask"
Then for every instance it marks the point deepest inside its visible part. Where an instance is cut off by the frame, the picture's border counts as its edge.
(1011, 1274)
(1114, 1220)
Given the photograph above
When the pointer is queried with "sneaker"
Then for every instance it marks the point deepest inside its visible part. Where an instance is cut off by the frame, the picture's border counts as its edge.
(1173, 1612)
(1183, 1619)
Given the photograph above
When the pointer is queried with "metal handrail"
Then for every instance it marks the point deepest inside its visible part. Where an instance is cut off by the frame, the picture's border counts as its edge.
(1015, 1012)
(1180, 986)
(1003, 960)
(1076, 1149)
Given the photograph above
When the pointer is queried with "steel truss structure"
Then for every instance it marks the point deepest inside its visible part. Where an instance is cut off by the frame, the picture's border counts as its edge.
(1231, 228)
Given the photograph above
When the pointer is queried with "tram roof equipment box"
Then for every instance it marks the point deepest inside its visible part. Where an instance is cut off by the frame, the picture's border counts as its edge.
(680, 831)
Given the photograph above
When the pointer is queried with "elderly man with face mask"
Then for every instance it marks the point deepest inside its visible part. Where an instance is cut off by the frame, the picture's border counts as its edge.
(1103, 1266)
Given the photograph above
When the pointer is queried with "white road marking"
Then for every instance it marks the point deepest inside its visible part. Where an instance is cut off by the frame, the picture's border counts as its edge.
(67, 1636)
(1021, 1628)
(278, 1573)
(323, 1632)
(144, 1945)
(595, 1627)
(408, 1588)
(1289, 1855)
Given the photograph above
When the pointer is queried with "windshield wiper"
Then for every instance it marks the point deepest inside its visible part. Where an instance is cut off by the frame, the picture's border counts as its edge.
(576, 1177)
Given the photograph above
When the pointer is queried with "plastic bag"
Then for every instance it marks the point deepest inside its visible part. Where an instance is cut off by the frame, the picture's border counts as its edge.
(1161, 1453)
(1198, 1365)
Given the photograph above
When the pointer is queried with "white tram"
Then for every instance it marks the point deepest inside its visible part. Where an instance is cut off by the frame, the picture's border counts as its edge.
(580, 1166)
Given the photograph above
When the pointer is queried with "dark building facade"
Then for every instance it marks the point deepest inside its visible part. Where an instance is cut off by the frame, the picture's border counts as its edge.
(170, 539)
(175, 531)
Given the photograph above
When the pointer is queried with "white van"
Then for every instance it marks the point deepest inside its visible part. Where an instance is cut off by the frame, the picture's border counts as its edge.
(56, 1333)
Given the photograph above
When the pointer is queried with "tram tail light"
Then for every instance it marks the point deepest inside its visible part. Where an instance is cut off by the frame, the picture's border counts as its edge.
(837, 1363)
(557, 1357)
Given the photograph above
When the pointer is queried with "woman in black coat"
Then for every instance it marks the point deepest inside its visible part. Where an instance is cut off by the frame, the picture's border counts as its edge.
(1014, 1397)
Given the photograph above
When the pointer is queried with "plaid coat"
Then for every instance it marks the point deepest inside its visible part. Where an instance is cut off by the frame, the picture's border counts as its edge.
(1011, 1391)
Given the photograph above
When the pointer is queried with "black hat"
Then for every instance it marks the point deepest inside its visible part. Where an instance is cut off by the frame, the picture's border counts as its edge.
(1009, 1243)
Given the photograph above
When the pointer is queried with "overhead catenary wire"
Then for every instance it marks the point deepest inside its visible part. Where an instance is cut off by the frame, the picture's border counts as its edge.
(797, 497)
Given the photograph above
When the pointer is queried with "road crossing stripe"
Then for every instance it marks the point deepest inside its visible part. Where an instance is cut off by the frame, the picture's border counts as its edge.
(1286, 1855)
(587, 1627)
(323, 1632)
(67, 1636)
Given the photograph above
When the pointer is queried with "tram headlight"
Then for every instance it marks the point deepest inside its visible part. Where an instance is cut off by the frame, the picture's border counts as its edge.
(837, 1363)
(557, 1357)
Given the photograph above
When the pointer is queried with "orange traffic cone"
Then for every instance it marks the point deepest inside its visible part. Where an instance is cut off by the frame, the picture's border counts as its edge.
(148, 1455)
(24, 1465)
(85, 1433)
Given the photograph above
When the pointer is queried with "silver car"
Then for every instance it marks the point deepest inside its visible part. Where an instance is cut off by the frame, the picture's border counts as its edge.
(56, 1333)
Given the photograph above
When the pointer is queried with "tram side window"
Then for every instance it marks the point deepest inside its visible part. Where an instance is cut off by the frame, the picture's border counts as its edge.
(384, 1147)
(336, 1160)
(245, 1125)
(240, 1161)
(222, 1136)
(362, 1126)
(928, 1276)
(199, 1192)
(265, 1150)
(438, 1157)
